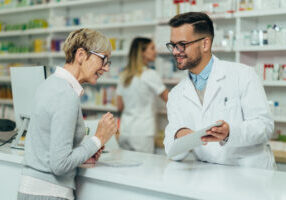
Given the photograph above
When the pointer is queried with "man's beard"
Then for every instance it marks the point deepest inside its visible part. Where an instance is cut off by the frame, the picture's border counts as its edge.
(191, 63)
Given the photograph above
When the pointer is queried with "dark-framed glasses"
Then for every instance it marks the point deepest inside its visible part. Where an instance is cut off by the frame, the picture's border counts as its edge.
(104, 58)
(180, 46)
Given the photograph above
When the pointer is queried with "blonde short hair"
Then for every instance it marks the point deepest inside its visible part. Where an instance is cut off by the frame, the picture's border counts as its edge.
(89, 40)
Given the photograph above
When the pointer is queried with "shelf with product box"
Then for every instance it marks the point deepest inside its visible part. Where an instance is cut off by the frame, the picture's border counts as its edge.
(26, 7)
(13, 9)
(261, 48)
(280, 119)
(103, 26)
(38, 31)
(63, 29)
(279, 83)
(260, 12)
(40, 55)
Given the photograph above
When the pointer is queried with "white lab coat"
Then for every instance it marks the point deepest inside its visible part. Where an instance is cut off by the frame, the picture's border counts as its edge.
(246, 111)
(138, 122)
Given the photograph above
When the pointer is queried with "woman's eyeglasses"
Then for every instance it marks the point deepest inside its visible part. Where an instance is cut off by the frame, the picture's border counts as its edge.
(104, 58)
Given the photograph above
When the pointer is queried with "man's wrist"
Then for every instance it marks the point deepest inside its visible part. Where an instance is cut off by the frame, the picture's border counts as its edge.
(224, 141)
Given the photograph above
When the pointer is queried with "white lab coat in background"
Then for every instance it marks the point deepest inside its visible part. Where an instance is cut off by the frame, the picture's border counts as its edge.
(138, 119)
(246, 111)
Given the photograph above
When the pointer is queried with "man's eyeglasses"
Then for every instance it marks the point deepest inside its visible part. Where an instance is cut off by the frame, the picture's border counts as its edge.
(105, 60)
(180, 46)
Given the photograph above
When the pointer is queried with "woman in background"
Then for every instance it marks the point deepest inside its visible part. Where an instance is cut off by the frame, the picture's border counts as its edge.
(55, 144)
(137, 91)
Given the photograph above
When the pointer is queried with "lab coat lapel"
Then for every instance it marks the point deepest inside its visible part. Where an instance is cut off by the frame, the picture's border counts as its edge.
(190, 93)
(213, 84)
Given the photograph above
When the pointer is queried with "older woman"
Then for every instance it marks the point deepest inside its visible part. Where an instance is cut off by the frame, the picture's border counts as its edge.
(55, 143)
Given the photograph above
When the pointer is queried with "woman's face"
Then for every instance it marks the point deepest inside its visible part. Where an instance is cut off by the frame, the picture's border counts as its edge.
(149, 55)
(93, 67)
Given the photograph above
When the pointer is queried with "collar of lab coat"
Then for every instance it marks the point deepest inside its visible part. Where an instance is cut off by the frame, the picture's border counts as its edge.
(212, 88)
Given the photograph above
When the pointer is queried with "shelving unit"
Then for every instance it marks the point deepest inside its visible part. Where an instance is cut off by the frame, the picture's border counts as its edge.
(260, 13)
(274, 83)
(47, 55)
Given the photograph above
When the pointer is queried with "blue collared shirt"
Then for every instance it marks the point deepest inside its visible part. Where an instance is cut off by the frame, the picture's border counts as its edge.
(200, 80)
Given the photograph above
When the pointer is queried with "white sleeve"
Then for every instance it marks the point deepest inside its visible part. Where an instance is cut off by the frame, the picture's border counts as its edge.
(154, 81)
(175, 123)
(258, 124)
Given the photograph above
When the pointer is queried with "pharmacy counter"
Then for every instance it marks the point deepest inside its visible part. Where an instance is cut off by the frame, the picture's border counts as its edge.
(145, 176)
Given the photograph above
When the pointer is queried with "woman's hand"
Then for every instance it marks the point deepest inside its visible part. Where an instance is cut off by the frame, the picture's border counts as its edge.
(95, 157)
(107, 126)
(98, 154)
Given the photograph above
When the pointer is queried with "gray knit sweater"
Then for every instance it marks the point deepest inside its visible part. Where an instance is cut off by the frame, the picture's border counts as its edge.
(54, 146)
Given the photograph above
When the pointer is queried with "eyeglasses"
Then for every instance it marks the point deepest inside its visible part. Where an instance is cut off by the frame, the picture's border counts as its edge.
(180, 46)
(105, 60)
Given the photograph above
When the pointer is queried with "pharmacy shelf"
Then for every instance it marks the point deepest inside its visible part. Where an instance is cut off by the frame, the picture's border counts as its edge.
(5, 79)
(5, 11)
(104, 26)
(24, 32)
(280, 119)
(67, 29)
(119, 53)
(100, 108)
(47, 55)
(259, 13)
(6, 102)
(223, 49)
(62, 54)
(274, 83)
(23, 55)
(218, 16)
(261, 48)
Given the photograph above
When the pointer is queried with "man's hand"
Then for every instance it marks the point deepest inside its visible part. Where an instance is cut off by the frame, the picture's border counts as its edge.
(182, 132)
(217, 134)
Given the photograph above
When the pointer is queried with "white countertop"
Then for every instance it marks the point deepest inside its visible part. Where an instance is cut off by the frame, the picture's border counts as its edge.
(188, 179)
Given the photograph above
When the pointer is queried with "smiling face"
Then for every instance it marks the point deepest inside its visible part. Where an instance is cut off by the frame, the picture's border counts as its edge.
(192, 56)
(92, 68)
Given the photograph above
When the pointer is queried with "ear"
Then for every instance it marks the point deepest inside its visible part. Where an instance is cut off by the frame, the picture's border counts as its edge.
(80, 55)
(207, 44)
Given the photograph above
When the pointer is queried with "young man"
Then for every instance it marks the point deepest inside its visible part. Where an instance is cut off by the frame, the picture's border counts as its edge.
(216, 90)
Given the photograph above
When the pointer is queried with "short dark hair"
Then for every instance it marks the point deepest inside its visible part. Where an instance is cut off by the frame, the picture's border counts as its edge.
(201, 22)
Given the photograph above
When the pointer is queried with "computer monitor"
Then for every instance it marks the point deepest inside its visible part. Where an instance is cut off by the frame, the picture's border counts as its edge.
(24, 81)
